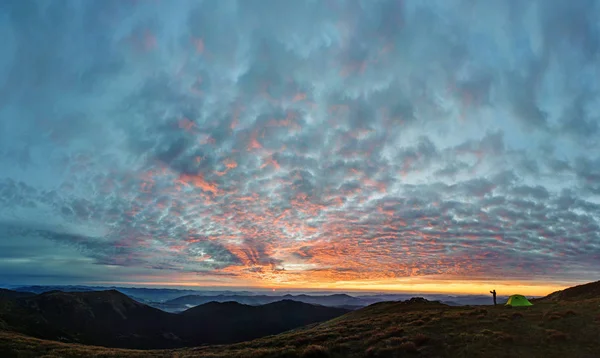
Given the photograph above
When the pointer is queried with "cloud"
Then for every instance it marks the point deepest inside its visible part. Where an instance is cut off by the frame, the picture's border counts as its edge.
(270, 142)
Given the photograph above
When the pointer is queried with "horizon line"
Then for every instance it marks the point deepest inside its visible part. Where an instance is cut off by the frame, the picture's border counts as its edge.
(424, 289)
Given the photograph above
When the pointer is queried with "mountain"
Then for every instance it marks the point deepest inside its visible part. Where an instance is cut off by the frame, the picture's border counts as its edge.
(178, 300)
(234, 318)
(10, 295)
(139, 294)
(335, 300)
(42, 289)
(580, 292)
(414, 327)
(195, 300)
(564, 324)
(332, 300)
(112, 319)
(106, 318)
(7, 298)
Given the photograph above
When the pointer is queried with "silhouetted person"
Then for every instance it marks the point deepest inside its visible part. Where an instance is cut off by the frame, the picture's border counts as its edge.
(494, 294)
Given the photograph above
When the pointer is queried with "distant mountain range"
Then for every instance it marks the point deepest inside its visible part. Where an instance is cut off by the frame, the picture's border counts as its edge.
(336, 300)
(176, 300)
(139, 294)
(112, 319)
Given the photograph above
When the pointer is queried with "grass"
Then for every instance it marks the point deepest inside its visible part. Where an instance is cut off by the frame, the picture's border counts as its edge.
(547, 329)
(315, 351)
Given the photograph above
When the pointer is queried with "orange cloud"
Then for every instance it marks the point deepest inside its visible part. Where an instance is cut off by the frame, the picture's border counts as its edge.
(199, 182)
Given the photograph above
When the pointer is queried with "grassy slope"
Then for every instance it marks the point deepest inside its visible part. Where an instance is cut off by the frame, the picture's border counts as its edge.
(547, 329)
(585, 291)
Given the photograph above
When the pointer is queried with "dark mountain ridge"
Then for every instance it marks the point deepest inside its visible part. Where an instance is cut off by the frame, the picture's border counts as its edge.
(105, 318)
(144, 294)
(9, 294)
(112, 319)
(581, 292)
(256, 321)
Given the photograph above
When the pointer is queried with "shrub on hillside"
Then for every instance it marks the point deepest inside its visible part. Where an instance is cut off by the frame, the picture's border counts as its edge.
(552, 316)
(287, 352)
(516, 315)
(394, 341)
(556, 336)
(390, 332)
(418, 322)
(389, 352)
(477, 312)
(409, 347)
(340, 349)
(381, 352)
(394, 332)
(503, 337)
(350, 338)
(378, 337)
(420, 339)
(315, 351)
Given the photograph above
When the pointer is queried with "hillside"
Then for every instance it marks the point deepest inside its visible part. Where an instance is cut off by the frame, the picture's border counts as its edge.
(235, 318)
(107, 318)
(10, 295)
(112, 319)
(195, 300)
(391, 329)
(549, 328)
(581, 292)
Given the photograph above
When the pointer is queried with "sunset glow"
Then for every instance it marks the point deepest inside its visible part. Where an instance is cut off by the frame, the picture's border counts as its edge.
(415, 286)
(417, 146)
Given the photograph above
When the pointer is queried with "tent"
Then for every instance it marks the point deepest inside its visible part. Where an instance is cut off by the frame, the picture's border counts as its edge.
(518, 301)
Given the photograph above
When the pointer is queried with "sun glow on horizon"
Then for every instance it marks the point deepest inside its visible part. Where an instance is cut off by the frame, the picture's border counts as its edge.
(504, 288)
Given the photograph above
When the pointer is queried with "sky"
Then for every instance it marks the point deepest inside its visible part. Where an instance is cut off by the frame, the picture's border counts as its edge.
(439, 145)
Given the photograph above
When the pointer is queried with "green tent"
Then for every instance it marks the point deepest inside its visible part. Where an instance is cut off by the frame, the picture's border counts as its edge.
(518, 301)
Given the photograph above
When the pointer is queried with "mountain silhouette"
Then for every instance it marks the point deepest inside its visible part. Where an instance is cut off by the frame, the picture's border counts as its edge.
(335, 300)
(234, 319)
(112, 319)
(106, 318)
(9, 294)
(581, 292)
